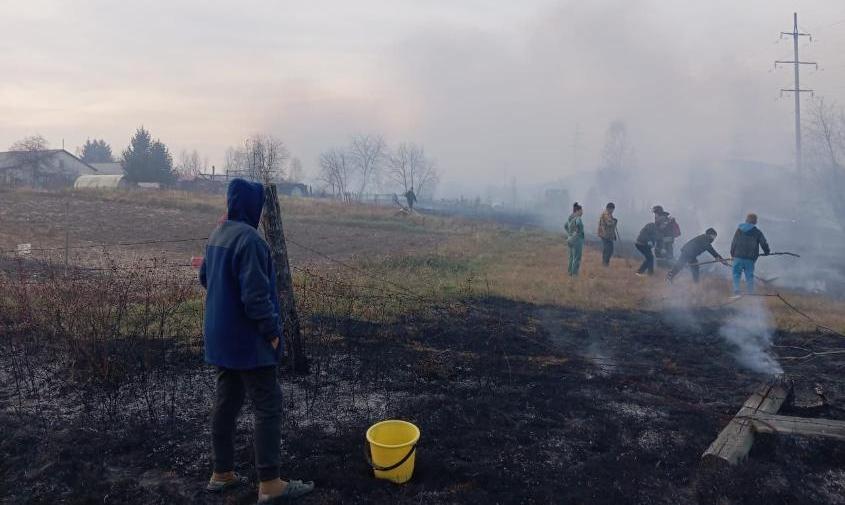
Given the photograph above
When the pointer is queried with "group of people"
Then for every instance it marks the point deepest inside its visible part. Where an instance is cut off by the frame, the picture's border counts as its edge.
(656, 241)
(243, 322)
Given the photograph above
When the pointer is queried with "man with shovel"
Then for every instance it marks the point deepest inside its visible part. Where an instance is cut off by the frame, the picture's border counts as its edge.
(242, 339)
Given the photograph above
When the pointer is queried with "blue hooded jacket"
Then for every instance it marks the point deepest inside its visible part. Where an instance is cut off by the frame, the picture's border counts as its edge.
(242, 313)
(747, 242)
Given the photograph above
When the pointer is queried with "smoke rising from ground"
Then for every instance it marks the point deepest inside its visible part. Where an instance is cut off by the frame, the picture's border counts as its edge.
(750, 330)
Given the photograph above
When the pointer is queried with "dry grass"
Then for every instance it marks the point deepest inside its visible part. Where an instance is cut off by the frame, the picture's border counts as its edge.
(435, 256)
(530, 266)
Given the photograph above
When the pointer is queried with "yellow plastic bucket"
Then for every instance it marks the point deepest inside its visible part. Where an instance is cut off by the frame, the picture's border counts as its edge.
(392, 450)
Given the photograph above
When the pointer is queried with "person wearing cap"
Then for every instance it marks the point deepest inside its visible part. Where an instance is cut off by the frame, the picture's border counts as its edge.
(745, 249)
(575, 239)
(690, 253)
(667, 230)
(242, 333)
(607, 233)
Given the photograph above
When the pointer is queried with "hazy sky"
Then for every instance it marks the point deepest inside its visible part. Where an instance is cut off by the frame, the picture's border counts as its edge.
(492, 89)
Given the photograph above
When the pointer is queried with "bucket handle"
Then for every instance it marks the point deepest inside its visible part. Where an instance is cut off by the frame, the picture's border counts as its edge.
(369, 457)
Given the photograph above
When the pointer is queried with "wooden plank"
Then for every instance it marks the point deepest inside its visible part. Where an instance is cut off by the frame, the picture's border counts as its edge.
(774, 423)
(735, 440)
(271, 221)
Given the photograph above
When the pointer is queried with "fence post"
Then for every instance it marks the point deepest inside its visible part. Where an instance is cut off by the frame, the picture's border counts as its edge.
(271, 221)
(67, 234)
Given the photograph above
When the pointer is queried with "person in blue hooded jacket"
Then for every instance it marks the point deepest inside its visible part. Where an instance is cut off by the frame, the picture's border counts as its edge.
(745, 249)
(243, 331)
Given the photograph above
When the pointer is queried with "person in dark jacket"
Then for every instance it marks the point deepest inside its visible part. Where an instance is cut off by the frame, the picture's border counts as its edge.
(690, 253)
(243, 333)
(647, 238)
(411, 198)
(745, 249)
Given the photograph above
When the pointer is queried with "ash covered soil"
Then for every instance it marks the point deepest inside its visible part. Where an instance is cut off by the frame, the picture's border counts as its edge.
(517, 403)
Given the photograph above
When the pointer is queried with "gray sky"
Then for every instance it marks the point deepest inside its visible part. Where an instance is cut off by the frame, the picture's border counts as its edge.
(492, 89)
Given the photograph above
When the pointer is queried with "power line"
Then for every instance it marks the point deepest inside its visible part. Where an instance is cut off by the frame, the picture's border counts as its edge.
(796, 90)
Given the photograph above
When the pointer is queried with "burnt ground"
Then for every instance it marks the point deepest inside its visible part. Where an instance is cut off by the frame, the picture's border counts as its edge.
(517, 403)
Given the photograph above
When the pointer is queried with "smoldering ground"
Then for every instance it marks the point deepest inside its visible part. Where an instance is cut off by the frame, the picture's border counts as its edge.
(750, 330)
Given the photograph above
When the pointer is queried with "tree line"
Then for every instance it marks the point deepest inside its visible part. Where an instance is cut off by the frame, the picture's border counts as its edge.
(367, 163)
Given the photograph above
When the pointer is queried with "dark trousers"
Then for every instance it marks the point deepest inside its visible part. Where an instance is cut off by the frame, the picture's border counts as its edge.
(648, 264)
(606, 251)
(262, 387)
(681, 263)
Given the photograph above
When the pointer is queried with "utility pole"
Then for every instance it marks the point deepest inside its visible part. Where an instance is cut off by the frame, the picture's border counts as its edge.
(797, 89)
(576, 145)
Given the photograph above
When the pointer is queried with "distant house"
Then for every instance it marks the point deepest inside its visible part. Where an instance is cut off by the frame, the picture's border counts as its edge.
(293, 189)
(108, 168)
(48, 169)
(101, 182)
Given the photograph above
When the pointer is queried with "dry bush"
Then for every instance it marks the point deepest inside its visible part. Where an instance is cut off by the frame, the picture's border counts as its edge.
(114, 337)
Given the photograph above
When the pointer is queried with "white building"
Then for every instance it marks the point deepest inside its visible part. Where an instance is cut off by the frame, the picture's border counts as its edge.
(51, 168)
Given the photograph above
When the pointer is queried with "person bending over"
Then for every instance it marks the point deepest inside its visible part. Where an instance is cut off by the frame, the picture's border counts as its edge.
(690, 253)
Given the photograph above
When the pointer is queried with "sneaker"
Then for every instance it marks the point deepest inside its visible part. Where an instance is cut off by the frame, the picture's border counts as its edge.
(639, 274)
(735, 297)
(219, 486)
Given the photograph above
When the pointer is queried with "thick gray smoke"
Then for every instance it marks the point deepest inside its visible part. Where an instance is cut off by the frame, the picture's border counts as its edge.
(750, 331)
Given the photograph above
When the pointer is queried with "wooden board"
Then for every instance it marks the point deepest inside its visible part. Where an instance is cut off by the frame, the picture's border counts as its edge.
(773, 423)
(734, 442)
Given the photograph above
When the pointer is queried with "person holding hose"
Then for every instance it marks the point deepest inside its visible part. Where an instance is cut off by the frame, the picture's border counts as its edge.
(243, 332)
(745, 249)
(607, 233)
(575, 239)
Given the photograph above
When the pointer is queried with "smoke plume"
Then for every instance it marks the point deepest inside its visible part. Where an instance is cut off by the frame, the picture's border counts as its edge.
(750, 331)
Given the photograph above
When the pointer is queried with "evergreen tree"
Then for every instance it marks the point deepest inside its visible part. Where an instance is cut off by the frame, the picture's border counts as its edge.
(147, 160)
(96, 151)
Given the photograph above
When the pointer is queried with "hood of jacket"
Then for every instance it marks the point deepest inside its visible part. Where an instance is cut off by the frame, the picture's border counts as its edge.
(746, 227)
(245, 200)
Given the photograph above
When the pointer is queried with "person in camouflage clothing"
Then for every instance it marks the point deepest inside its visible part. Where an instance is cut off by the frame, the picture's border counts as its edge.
(607, 233)
(575, 239)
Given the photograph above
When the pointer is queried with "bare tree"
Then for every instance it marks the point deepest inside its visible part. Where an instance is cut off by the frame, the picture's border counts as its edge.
(367, 154)
(266, 157)
(31, 155)
(409, 168)
(30, 144)
(235, 163)
(335, 171)
(297, 174)
(191, 164)
(826, 149)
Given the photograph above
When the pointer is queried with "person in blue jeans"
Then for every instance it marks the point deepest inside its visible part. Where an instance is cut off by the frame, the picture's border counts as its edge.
(243, 330)
(745, 249)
